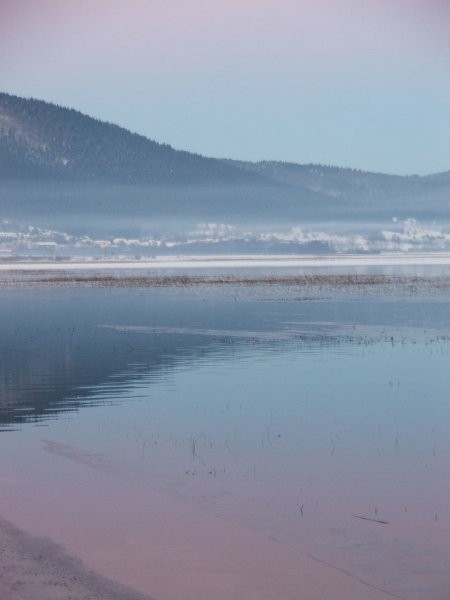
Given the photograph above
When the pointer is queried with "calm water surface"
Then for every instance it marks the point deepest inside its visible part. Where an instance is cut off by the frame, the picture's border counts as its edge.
(163, 433)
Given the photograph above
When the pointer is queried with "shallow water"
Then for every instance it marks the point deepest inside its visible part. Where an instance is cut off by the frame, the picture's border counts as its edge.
(230, 442)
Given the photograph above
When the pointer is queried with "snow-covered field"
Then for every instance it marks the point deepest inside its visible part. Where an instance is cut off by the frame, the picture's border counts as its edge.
(232, 261)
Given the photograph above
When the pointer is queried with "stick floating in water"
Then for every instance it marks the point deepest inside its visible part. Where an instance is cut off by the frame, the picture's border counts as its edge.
(369, 519)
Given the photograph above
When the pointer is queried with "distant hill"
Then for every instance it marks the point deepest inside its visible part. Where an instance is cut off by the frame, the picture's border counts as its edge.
(355, 186)
(45, 141)
(57, 163)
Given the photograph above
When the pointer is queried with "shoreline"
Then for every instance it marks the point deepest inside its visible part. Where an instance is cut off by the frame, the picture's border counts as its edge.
(401, 283)
(310, 271)
(36, 568)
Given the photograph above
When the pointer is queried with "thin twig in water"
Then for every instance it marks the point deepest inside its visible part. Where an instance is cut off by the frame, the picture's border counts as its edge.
(369, 519)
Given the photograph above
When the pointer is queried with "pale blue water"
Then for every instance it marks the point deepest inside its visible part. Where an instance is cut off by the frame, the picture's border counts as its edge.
(291, 412)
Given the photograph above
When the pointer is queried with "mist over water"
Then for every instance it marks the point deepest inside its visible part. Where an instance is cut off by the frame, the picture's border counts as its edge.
(340, 212)
(147, 238)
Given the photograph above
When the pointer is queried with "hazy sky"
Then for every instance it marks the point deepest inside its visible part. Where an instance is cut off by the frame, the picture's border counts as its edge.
(360, 83)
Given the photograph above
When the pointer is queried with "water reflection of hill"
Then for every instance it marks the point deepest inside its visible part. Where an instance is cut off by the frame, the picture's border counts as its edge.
(53, 353)
(59, 345)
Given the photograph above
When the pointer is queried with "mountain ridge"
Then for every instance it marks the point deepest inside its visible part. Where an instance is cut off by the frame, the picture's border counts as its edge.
(29, 131)
(57, 163)
(41, 139)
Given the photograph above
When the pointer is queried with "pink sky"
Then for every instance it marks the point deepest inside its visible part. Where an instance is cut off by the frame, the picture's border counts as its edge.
(206, 75)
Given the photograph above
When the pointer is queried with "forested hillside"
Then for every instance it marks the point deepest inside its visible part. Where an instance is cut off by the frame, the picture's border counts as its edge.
(42, 140)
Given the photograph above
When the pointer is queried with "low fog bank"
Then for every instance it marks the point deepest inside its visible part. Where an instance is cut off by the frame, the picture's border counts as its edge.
(146, 239)
(56, 220)
(234, 203)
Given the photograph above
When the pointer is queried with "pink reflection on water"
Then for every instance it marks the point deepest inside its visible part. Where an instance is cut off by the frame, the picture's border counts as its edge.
(171, 547)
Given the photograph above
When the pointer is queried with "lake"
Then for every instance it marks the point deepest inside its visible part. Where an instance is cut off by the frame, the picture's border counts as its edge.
(230, 438)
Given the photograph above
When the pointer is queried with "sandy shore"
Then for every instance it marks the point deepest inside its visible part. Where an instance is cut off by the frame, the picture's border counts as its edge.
(33, 568)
